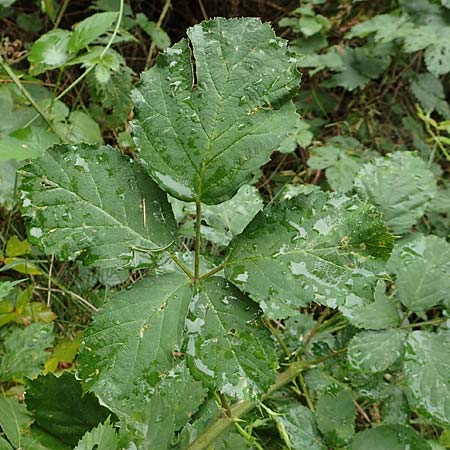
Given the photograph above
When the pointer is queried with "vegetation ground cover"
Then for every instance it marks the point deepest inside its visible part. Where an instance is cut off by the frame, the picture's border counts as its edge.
(225, 225)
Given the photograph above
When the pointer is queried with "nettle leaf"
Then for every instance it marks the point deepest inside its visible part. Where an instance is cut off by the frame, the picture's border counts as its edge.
(102, 437)
(214, 107)
(53, 402)
(14, 420)
(375, 351)
(91, 202)
(24, 351)
(400, 186)
(422, 270)
(318, 247)
(227, 346)
(90, 29)
(298, 423)
(392, 437)
(427, 366)
(138, 334)
(336, 415)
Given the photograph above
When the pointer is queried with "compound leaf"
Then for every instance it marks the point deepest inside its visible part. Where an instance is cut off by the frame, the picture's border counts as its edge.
(319, 247)
(214, 107)
(400, 186)
(427, 366)
(53, 402)
(90, 201)
(375, 351)
(422, 270)
(392, 437)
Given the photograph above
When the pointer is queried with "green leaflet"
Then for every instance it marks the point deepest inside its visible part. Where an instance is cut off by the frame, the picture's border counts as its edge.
(422, 270)
(102, 437)
(320, 247)
(24, 352)
(4, 445)
(299, 424)
(53, 402)
(392, 437)
(14, 420)
(137, 335)
(214, 107)
(90, 202)
(336, 414)
(427, 366)
(375, 351)
(400, 186)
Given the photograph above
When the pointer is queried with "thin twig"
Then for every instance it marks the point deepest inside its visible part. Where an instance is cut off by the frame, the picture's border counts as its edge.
(49, 284)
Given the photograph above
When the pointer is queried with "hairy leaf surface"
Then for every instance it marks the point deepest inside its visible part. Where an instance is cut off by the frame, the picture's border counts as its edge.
(90, 202)
(320, 247)
(427, 367)
(400, 186)
(214, 107)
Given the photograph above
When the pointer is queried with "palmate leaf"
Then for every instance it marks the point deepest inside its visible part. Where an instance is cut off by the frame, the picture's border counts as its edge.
(400, 185)
(427, 368)
(319, 247)
(139, 334)
(89, 201)
(422, 270)
(214, 107)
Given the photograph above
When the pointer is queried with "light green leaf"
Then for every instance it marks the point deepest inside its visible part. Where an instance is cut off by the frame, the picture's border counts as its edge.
(299, 424)
(336, 415)
(90, 29)
(79, 127)
(90, 202)
(49, 51)
(392, 437)
(430, 94)
(375, 351)
(228, 347)
(224, 221)
(102, 437)
(400, 186)
(53, 402)
(427, 368)
(395, 408)
(24, 352)
(341, 159)
(320, 247)
(14, 420)
(373, 315)
(208, 118)
(4, 445)
(37, 439)
(422, 270)
(156, 33)
(8, 181)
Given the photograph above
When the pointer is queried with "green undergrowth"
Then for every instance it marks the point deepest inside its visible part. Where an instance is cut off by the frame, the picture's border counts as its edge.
(233, 240)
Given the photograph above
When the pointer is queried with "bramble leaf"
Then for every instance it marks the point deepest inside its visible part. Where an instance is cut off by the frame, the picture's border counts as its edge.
(336, 414)
(427, 366)
(375, 351)
(422, 270)
(400, 186)
(24, 352)
(214, 107)
(318, 247)
(102, 437)
(90, 202)
(53, 402)
(392, 437)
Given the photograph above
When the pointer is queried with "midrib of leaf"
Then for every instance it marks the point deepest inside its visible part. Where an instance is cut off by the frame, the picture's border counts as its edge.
(16, 421)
